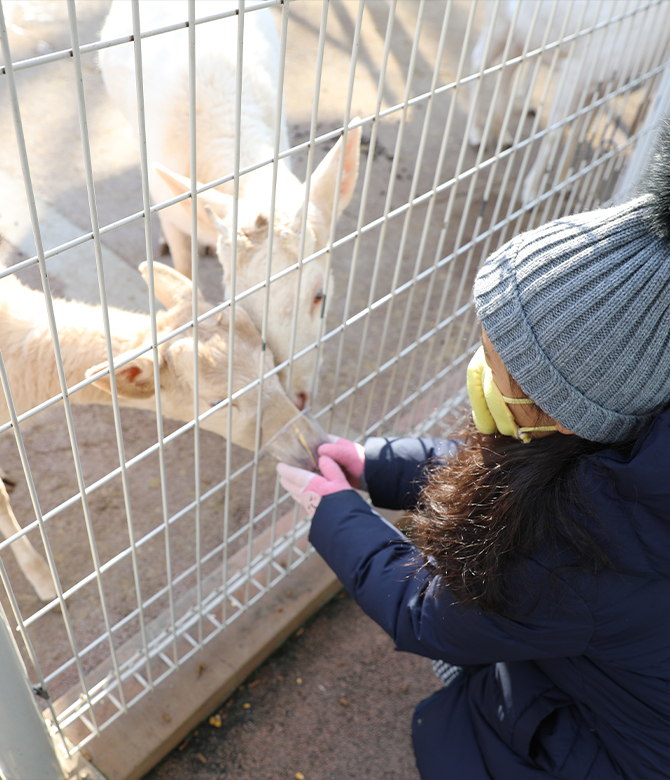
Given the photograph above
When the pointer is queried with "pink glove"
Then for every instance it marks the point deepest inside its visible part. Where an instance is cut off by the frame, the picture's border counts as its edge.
(349, 455)
(308, 488)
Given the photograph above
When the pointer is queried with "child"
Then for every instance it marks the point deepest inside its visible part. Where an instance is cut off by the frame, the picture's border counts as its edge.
(536, 572)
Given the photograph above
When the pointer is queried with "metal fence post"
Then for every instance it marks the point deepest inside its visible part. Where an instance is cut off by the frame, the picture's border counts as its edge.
(26, 749)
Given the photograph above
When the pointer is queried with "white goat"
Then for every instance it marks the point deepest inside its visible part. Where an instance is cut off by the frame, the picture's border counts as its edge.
(27, 349)
(165, 72)
(611, 53)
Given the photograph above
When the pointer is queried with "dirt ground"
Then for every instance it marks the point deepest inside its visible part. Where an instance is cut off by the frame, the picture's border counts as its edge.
(334, 702)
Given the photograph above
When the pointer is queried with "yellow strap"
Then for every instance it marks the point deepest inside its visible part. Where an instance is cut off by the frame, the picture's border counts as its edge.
(539, 428)
(517, 400)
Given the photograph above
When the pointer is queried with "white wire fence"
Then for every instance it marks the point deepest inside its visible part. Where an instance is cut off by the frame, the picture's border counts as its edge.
(478, 120)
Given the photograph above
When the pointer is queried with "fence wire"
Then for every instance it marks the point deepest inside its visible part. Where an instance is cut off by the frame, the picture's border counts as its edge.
(477, 121)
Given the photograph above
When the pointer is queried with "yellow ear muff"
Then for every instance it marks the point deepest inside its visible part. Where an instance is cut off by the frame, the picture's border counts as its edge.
(475, 383)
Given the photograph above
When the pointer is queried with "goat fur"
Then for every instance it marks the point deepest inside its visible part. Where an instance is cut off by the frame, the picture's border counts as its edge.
(28, 352)
(165, 78)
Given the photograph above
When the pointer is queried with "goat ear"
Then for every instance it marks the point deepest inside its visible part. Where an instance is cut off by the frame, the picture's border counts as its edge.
(218, 223)
(324, 178)
(220, 203)
(296, 225)
(256, 232)
(171, 287)
(133, 380)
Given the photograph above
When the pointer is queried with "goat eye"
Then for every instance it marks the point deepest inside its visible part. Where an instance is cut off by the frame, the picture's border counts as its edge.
(319, 296)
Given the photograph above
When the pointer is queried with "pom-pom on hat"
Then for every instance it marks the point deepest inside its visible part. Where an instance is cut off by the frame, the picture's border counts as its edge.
(579, 311)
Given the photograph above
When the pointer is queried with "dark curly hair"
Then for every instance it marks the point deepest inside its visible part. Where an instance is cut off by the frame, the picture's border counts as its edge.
(494, 503)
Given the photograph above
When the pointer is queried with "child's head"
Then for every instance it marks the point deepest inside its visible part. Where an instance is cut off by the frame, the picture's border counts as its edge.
(579, 312)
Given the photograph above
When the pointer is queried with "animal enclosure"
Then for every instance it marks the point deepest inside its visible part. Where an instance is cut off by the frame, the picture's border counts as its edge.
(364, 158)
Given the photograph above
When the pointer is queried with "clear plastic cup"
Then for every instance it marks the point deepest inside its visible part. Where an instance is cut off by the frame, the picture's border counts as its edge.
(297, 442)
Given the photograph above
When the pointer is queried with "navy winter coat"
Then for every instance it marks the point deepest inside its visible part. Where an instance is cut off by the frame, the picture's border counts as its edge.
(576, 683)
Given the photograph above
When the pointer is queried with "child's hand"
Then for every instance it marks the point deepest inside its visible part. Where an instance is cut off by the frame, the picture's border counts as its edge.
(308, 488)
(349, 455)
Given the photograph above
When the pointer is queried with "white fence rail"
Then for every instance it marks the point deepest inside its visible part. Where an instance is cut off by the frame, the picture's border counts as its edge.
(478, 120)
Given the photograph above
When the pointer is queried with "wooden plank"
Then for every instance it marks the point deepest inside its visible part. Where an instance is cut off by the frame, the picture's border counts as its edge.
(77, 731)
(134, 743)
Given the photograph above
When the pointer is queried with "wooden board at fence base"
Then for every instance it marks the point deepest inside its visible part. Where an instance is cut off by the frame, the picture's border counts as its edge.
(134, 743)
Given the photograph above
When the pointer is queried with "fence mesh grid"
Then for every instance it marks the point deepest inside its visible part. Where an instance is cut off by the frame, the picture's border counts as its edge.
(478, 120)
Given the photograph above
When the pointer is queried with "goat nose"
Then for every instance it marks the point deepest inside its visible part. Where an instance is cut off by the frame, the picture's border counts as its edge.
(301, 400)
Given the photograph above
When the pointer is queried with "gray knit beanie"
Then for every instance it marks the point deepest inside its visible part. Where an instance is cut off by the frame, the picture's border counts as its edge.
(579, 312)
